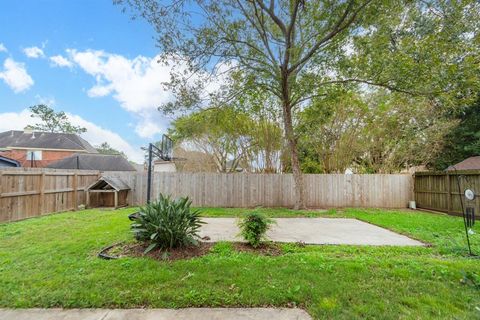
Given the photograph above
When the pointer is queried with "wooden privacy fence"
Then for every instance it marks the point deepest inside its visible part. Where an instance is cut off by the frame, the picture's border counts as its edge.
(26, 193)
(439, 191)
(277, 190)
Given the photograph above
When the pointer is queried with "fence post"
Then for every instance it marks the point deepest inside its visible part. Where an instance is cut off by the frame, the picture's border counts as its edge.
(115, 203)
(449, 194)
(42, 192)
(74, 183)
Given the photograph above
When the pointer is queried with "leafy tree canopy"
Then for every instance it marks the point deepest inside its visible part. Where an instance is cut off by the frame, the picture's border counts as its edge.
(223, 133)
(463, 141)
(377, 132)
(52, 121)
(105, 148)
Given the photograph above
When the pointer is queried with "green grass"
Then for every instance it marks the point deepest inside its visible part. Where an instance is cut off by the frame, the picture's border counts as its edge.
(51, 262)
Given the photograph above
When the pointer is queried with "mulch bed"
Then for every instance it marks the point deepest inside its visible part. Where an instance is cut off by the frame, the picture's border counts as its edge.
(121, 250)
(137, 250)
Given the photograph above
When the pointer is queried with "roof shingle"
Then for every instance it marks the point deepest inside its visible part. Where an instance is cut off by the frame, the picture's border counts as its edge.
(44, 140)
(472, 163)
(101, 162)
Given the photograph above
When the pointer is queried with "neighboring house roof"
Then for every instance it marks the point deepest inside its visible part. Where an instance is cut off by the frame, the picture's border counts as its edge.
(44, 140)
(472, 163)
(108, 183)
(86, 161)
(8, 162)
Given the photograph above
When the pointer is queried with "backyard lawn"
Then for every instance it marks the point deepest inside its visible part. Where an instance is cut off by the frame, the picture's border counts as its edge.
(51, 262)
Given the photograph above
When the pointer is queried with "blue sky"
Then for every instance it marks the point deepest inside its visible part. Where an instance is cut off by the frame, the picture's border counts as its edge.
(86, 58)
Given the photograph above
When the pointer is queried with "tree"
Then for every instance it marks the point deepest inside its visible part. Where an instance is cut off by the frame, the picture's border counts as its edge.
(401, 132)
(264, 154)
(105, 148)
(193, 161)
(234, 135)
(265, 151)
(295, 48)
(331, 130)
(375, 132)
(222, 133)
(463, 141)
(52, 121)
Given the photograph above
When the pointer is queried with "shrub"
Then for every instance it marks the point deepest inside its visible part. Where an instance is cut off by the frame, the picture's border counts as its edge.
(253, 228)
(167, 223)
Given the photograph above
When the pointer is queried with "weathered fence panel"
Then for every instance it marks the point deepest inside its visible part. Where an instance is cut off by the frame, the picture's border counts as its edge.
(26, 192)
(277, 190)
(442, 191)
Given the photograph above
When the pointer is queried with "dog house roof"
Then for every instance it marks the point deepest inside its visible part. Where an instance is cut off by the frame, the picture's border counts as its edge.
(109, 183)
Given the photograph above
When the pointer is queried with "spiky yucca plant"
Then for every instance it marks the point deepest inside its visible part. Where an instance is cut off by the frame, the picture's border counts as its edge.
(167, 223)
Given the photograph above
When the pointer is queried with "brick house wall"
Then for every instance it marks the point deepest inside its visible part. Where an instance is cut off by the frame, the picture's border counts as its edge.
(48, 156)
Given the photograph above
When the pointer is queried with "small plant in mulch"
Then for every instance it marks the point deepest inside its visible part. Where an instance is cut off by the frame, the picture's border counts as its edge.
(167, 224)
(254, 227)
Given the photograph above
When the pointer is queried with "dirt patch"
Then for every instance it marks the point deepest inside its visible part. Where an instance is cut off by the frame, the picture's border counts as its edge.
(137, 250)
(121, 250)
(265, 249)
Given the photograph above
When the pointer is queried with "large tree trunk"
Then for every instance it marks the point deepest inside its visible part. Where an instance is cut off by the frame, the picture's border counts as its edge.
(300, 202)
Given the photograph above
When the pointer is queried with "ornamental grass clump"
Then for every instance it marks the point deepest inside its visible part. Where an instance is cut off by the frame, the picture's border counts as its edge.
(253, 228)
(167, 224)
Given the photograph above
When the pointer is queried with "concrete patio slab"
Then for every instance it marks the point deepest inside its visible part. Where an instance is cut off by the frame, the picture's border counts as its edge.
(312, 231)
(156, 314)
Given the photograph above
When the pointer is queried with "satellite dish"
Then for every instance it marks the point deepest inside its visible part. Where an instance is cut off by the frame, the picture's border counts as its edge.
(469, 194)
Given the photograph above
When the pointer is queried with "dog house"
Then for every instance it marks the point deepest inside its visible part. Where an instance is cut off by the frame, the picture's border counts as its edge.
(107, 192)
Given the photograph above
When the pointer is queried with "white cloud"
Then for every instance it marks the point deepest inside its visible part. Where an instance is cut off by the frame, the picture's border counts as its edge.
(34, 52)
(14, 120)
(135, 83)
(15, 76)
(100, 91)
(3, 48)
(60, 61)
(95, 134)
